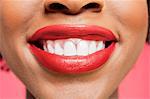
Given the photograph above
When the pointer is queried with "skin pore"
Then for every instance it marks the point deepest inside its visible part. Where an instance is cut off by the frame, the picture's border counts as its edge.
(19, 19)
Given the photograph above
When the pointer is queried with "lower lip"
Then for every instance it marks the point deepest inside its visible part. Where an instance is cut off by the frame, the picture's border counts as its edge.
(72, 64)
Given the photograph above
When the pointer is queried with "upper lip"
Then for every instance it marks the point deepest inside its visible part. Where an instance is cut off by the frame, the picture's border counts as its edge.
(90, 32)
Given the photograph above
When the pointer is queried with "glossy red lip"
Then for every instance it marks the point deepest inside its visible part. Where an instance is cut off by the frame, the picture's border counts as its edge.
(72, 64)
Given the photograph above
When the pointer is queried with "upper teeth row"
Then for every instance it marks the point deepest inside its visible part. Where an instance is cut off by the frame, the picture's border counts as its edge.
(73, 47)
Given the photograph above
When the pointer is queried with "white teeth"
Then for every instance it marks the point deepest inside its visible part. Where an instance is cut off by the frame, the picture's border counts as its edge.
(58, 48)
(82, 48)
(45, 46)
(73, 47)
(100, 45)
(75, 40)
(50, 46)
(69, 48)
(92, 47)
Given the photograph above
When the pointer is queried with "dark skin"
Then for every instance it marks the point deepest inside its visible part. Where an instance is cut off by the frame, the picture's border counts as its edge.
(114, 95)
(30, 96)
(19, 19)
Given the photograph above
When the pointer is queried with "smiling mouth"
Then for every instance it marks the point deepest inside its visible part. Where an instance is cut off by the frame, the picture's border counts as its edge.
(72, 49)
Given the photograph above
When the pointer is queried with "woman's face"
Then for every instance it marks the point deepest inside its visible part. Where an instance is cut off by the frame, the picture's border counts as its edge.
(19, 19)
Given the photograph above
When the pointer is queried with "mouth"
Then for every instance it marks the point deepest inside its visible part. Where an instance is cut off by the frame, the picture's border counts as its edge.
(72, 49)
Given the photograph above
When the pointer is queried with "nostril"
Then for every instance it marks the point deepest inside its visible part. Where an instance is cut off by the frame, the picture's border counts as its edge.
(92, 6)
(56, 7)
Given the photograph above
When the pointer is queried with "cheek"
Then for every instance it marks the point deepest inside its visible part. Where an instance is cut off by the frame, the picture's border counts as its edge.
(131, 13)
(16, 12)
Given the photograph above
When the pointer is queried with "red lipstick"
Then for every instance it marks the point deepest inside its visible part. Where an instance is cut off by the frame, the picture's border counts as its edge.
(72, 64)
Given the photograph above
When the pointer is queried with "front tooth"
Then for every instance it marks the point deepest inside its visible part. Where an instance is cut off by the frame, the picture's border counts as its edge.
(92, 47)
(50, 46)
(75, 40)
(100, 45)
(82, 48)
(69, 48)
(58, 48)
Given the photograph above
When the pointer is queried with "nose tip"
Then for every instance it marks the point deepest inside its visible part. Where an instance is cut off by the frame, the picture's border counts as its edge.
(72, 6)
